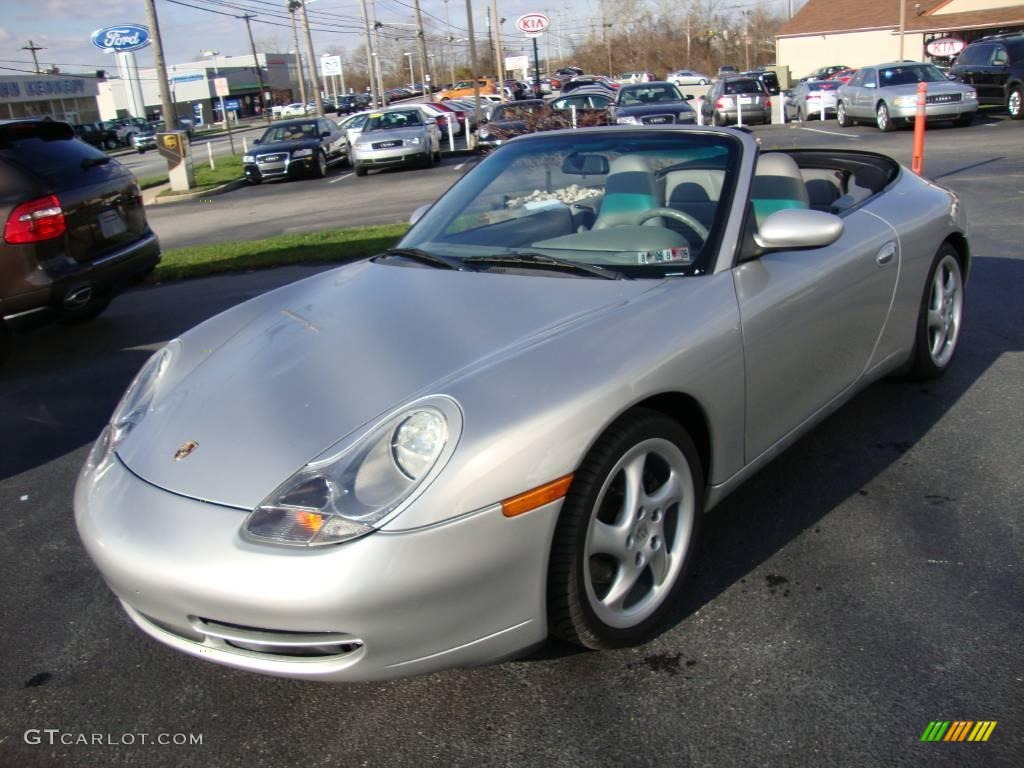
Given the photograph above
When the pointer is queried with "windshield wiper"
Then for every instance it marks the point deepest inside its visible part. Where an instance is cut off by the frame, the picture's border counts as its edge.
(417, 254)
(542, 260)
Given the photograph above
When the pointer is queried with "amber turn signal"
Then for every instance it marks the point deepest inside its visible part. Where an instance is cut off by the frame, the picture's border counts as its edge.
(537, 497)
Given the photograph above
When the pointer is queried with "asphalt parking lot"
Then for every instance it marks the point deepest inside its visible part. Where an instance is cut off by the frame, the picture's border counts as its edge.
(865, 583)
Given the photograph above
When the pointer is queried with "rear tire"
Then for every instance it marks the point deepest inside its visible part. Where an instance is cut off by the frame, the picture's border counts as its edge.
(626, 533)
(841, 117)
(6, 342)
(940, 318)
(800, 115)
(883, 119)
(1015, 102)
(93, 309)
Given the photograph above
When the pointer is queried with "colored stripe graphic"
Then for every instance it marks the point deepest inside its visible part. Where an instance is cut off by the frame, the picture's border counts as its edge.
(958, 730)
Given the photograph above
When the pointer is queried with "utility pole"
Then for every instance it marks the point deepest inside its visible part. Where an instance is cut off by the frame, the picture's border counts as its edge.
(474, 72)
(166, 107)
(448, 31)
(33, 47)
(497, 34)
(490, 41)
(292, 7)
(376, 59)
(369, 53)
(423, 42)
(259, 70)
(314, 74)
(903, 25)
(607, 38)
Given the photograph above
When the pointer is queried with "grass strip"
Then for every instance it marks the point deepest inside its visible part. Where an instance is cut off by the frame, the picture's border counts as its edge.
(329, 245)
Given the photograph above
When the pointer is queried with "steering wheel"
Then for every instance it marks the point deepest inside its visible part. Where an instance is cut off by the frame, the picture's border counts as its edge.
(680, 216)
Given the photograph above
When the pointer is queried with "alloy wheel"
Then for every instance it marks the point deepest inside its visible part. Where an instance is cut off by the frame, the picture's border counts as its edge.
(945, 310)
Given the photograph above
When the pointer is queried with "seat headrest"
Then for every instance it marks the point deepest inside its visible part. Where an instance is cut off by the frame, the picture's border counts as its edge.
(778, 177)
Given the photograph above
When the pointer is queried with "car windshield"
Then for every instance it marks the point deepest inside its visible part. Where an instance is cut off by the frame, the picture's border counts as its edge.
(743, 86)
(644, 204)
(382, 121)
(631, 95)
(921, 73)
(306, 129)
(824, 85)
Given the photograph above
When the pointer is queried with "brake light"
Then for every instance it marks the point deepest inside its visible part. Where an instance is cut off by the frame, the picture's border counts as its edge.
(136, 193)
(38, 220)
(767, 103)
(720, 104)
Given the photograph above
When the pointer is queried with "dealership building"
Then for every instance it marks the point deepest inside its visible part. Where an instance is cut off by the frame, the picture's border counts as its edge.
(71, 98)
(192, 88)
(825, 33)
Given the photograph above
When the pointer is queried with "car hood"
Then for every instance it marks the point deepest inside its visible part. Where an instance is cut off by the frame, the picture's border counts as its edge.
(324, 357)
(391, 134)
(910, 89)
(658, 108)
(284, 146)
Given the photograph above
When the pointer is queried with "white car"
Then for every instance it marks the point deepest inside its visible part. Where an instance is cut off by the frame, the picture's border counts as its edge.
(687, 77)
(297, 109)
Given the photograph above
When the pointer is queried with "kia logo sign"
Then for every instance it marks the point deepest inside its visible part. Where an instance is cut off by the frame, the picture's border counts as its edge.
(532, 24)
(122, 38)
(945, 47)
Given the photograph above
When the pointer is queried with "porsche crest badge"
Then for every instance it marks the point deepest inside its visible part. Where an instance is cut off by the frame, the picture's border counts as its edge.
(186, 450)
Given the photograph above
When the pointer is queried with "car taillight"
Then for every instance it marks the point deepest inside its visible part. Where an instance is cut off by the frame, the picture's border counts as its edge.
(767, 103)
(31, 222)
(720, 104)
(136, 193)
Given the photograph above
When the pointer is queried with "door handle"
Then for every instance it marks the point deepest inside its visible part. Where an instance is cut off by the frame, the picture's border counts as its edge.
(886, 254)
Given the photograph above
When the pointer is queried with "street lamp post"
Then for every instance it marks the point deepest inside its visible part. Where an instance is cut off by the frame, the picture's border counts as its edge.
(412, 76)
(223, 111)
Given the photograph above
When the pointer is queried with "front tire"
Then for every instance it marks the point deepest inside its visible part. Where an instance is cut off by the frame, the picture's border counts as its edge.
(800, 115)
(360, 170)
(882, 118)
(626, 533)
(320, 167)
(1015, 103)
(962, 121)
(940, 318)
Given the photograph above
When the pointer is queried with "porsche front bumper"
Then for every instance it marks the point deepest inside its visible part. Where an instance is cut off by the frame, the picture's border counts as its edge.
(460, 593)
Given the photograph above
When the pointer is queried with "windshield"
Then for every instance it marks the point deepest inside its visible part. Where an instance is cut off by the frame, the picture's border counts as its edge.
(921, 73)
(306, 129)
(645, 205)
(381, 121)
(630, 95)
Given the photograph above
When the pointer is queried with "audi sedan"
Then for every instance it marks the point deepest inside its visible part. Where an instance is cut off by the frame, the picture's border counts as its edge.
(655, 103)
(886, 95)
(510, 425)
(398, 136)
(295, 148)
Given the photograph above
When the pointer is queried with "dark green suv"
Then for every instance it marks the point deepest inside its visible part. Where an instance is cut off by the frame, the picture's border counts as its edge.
(995, 67)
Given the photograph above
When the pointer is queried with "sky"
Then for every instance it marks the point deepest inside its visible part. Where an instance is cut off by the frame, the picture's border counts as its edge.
(63, 27)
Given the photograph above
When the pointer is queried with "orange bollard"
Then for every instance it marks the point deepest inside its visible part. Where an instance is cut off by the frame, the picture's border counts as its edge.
(917, 164)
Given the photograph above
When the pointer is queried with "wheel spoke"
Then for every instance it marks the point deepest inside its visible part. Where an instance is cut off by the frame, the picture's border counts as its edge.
(661, 560)
(668, 493)
(624, 582)
(934, 318)
(607, 539)
(634, 495)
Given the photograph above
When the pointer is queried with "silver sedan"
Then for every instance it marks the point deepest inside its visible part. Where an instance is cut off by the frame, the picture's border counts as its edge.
(398, 136)
(887, 96)
(511, 424)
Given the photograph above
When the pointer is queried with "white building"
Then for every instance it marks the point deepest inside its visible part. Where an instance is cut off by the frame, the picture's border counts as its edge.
(825, 32)
(192, 87)
(71, 98)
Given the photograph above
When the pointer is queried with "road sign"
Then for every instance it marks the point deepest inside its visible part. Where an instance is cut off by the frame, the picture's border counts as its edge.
(517, 62)
(532, 24)
(220, 86)
(330, 65)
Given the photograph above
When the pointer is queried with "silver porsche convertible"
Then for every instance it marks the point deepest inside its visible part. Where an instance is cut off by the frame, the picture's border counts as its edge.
(510, 425)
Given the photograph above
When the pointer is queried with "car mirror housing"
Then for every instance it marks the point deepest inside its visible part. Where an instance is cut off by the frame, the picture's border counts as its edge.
(793, 228)
(418, 214)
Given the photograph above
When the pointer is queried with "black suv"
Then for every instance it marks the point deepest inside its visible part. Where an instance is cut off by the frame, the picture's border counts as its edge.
(995, 67)
(75, 233)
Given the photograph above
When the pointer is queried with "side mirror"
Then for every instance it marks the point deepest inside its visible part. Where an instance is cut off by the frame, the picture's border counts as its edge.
(793, 228)
(325, 134)
(418, 213)
(257, 141)
(690, 97)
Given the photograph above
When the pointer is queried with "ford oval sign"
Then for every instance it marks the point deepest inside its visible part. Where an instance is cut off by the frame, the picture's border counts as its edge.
(122, 38)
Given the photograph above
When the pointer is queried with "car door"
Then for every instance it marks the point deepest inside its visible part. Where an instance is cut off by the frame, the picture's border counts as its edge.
(864, 94)
(972, 63)
(811, 320)
(993, 76)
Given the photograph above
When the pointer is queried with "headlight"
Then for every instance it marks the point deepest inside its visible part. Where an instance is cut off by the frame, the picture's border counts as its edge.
(905, 101)
(970, 95)
(414, 140)
(248, 159)
(357, 485)
(134, 404)
(302, 153)
(627, 120)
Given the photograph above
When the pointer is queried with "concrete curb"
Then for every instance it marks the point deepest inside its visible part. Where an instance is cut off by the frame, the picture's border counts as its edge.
(195, 195)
